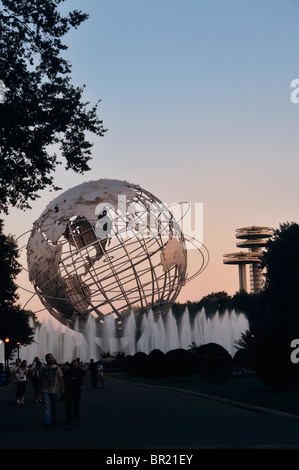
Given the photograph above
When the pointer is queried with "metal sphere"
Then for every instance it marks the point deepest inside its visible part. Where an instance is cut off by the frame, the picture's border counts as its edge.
(106, 247)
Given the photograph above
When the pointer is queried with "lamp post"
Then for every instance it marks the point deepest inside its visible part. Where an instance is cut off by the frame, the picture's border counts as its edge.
(18, 344)
(6, 355)
(2, 355)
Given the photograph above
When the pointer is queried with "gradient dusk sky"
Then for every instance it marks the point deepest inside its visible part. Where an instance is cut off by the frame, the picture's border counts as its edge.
(196, 95)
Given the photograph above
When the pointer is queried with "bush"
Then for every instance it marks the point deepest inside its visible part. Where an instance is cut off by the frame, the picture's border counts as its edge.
(243, 359)
(212, 361)
(179, 363)
(157, 366)
(127, 363)
(139, 364)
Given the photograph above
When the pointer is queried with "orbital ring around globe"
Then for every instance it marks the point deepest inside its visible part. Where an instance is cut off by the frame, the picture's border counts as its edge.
(108, 247)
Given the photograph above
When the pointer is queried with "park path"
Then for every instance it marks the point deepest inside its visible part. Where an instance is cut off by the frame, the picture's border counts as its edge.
(129, 416)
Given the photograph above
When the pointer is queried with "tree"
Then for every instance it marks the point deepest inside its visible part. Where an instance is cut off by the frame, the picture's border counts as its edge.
(14, 321)
(245, 342)
(41, 106)
(281, 262)
(255, 306)
(216, 301)
(244, 355)
(272, 345)
(14, 324)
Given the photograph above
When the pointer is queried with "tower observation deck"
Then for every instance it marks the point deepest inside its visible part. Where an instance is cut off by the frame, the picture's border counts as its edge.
(254, 239)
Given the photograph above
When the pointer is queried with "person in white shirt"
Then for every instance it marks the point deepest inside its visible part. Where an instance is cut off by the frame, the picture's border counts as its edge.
(51, 384)
(22, 382)
(15, 377)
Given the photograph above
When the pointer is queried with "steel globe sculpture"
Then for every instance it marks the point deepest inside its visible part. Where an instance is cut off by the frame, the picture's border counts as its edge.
(106, 247)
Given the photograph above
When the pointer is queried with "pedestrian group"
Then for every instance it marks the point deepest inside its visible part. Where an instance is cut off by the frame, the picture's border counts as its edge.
(51, 382)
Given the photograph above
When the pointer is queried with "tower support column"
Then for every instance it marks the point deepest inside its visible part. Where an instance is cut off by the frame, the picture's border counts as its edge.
(242, 277)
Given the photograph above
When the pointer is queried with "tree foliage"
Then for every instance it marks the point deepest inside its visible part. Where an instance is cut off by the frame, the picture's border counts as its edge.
(216, 301)
(241, 302)
(272, 345)
(41, 106)
(14, 321)
(281, 262)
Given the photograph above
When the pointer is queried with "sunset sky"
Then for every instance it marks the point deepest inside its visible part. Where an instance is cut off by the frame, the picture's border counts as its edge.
(196, 96)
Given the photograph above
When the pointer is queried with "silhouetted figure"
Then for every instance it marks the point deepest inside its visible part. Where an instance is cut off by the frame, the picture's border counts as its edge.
(73, 380)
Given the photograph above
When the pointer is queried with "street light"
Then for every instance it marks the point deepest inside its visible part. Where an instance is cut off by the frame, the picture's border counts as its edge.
(2, 356)
(6, 355)
(18, 344)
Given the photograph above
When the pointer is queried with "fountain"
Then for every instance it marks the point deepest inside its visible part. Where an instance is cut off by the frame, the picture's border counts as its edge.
(165, 333)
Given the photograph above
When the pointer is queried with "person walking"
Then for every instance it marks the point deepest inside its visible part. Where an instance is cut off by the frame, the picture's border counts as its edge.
(94, 373)
(51, 384)
(82, 365)
(73, 386)
(15, 378)
(35, 371)
(22, 382)
(101, 374)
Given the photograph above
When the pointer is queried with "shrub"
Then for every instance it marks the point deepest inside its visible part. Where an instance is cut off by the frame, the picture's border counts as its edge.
(243, 359)
(139, 364)
(212, 361)
(157, 366)
(180, 363)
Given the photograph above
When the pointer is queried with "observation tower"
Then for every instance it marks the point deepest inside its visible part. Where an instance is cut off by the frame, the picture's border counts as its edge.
(253, 238)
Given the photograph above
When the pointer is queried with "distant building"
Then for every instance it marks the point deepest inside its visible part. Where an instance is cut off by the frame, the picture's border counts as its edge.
(253, 238)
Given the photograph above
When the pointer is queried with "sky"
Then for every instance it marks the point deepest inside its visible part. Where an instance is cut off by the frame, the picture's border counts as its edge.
(196, 97)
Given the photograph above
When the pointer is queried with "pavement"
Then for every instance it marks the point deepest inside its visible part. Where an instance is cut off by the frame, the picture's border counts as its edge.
(126, 418)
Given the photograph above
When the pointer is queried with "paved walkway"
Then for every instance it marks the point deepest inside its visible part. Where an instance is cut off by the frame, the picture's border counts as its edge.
(129, 416)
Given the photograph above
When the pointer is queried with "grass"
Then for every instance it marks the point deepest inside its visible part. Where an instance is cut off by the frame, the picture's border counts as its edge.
(245, 389)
